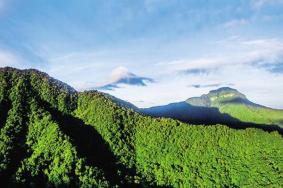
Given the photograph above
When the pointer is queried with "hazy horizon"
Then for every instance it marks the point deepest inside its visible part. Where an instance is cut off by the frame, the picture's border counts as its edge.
(150, 52)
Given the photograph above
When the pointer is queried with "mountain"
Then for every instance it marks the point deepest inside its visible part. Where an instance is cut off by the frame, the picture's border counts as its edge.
(54, 136)
(224, 105)
(231, 102)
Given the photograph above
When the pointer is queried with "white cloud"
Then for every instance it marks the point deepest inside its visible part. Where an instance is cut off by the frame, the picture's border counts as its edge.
(118, 73)
(122, 76)
(115, 75)
(234, 52)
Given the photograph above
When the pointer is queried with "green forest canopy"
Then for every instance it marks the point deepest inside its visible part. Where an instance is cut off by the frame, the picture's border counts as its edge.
(52, 135)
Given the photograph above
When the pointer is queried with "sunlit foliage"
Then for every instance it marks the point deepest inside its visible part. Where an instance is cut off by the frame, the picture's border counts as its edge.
(53, 136)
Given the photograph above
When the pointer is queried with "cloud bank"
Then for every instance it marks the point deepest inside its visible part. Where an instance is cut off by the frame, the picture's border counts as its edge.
(253, 66)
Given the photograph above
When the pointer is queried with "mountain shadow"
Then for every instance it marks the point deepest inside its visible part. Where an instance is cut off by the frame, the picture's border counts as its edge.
(91, 146)
(5, 106)
(201, 115)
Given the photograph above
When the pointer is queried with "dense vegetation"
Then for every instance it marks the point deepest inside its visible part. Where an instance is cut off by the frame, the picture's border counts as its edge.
(53, 136)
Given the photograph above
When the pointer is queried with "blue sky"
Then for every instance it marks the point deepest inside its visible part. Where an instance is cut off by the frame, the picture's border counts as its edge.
(176, 43)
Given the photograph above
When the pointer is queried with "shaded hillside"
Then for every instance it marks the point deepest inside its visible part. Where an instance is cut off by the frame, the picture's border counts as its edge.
(189, 113)
(53, 136)
(200, 115)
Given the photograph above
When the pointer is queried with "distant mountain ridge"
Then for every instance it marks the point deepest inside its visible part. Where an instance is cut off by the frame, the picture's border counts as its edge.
(224, 105)
(221, 95)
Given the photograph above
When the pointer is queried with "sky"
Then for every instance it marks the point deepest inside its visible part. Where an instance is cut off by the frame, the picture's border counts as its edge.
(150, 52)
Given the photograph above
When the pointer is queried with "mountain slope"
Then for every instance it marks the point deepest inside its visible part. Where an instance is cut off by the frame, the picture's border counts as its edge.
(52, 135)
(232, 102)
(224, 105)
(34, 149)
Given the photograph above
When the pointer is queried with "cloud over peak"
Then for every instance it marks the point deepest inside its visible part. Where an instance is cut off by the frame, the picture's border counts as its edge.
(122, 76)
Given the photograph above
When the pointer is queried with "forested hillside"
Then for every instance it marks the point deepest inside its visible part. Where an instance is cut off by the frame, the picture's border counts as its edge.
(54, 136)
